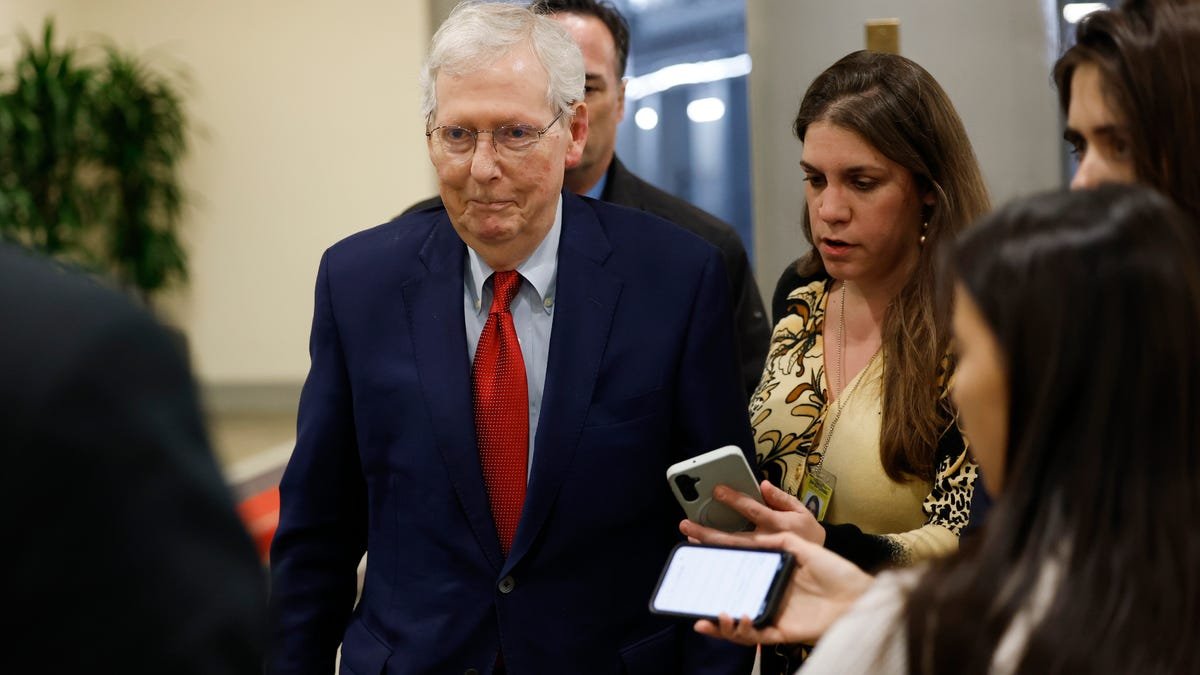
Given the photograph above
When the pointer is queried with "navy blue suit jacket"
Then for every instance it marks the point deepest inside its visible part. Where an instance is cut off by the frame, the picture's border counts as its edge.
(642, 372)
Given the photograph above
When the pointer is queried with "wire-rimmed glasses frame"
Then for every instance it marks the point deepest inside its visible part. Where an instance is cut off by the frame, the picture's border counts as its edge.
(510, 140)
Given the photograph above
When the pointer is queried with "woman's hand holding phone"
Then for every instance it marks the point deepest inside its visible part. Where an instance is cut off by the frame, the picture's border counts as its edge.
(822, 588)
(782, 513)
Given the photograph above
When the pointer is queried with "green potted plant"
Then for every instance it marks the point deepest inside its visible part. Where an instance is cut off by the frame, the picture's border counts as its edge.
(45, 124)
(90, 144)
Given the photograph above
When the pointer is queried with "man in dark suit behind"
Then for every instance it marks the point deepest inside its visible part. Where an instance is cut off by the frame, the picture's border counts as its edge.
(122, 552)
(603, 37)
(607, 330)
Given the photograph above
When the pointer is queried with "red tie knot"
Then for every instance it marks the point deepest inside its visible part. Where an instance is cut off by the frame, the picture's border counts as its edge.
(504, 289)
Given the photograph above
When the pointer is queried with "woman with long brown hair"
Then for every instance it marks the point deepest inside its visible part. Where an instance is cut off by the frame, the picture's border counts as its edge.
(852, 406)
(852, 403)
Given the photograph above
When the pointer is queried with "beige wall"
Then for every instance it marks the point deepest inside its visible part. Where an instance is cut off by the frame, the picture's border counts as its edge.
(992, 57)
(15, 14)
(307, 130)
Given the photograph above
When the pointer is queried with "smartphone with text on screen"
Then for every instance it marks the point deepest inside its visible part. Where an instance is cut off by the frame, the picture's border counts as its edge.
(703, 582)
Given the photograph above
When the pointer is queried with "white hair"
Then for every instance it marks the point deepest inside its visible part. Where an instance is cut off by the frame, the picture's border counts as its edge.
(477, 33)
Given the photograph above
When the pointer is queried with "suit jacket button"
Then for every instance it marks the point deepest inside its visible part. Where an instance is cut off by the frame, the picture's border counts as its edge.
(507, 584)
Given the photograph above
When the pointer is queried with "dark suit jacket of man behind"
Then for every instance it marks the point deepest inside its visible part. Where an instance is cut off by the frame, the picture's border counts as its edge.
(753, 328)
(640, 374)
(122, 552)
(752, 324)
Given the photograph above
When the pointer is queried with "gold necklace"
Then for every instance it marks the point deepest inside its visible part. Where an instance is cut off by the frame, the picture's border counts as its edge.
(841, 343)
(844, 399)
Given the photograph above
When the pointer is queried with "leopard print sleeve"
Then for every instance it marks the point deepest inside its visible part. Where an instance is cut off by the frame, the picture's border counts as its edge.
(947, 507)
(949, 502)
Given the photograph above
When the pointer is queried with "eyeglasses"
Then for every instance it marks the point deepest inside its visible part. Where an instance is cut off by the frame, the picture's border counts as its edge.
(457, 144)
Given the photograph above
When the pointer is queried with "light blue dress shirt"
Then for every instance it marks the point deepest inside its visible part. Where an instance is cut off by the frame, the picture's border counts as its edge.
(532, 310)
(598, 188)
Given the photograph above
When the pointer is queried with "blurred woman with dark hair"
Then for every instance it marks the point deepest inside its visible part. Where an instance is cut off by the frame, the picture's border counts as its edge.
(1076, 319)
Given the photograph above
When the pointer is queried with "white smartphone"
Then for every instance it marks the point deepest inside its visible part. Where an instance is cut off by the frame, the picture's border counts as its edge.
(693, 480)
(704, 582)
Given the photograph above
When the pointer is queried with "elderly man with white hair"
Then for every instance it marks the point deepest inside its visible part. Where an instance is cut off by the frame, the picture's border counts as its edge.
(496, 391)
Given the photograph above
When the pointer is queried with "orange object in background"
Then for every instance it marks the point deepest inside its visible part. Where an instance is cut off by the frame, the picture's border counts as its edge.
(260, 514)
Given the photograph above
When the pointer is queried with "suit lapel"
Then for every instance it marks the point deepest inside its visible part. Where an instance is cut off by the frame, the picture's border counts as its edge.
(435, 316)
(586, 300)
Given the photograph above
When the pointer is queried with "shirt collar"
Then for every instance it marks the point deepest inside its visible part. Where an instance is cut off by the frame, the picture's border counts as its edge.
(540, 269)
(598, 189)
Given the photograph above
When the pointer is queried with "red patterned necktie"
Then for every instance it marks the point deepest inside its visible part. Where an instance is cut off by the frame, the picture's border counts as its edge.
(502, 409)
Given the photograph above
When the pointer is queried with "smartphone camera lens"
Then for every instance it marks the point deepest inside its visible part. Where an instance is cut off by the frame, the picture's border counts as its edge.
(687, 487)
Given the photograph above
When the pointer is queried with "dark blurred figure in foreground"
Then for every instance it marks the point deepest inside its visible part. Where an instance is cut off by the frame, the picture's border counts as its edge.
(122, 549)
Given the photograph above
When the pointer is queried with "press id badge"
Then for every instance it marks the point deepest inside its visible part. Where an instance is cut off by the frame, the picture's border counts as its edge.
(816, 491)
